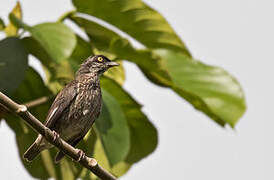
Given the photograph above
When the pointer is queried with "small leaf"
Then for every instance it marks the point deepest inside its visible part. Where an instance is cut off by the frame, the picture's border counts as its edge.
(113, 130)
(14, 63)
(209, 89)
(11, 29)
(136, 19)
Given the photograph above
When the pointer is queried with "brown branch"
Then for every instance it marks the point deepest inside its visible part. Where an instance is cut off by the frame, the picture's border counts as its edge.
(89, 163)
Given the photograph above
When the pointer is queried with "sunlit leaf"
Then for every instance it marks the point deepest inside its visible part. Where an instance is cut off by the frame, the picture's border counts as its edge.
(13, 64)
(117, 73)
(149, 63)
(11, 29)
(208, 88)
(99, 36)
(113, 130)
(56, 38)
(136, 19)
(143, 135)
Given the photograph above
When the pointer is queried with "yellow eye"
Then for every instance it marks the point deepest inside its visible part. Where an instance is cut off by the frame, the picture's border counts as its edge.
(100, 59)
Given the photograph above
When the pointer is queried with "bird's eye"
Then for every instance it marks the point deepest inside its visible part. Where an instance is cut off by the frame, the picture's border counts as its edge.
(100, 59)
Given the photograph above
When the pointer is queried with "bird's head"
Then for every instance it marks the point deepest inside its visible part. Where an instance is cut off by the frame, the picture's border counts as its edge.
(97, 64)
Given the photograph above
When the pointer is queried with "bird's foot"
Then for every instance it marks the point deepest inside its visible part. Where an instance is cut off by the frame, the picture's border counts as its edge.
(55, 136)
(81, 154)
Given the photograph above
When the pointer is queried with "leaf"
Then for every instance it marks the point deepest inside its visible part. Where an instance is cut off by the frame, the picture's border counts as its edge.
(136, 19)
(2, 24)
(82, 51)
(14, 63)
(149, 63)
(155, 68)
(99, 36)
(209, 89)
(11, 29)
(113, 130)
(117, 74)
(99, 154)
(143, 135)
(31, 88)
(57, 39)
(34, 48)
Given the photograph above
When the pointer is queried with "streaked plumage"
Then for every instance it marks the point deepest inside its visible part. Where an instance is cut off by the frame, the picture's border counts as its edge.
(76, 107)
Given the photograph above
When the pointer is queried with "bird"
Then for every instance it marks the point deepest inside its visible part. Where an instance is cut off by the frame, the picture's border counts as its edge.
(75, 107)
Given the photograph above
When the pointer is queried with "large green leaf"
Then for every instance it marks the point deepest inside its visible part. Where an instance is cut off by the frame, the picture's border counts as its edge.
(13, 64)
(82, 51)
(208, 88)
(136, 19)
(56, 74)
(156, 69)
(57, 39)
(99, 36)
(113, 130)
(143, 135)
(31, 88)
(149, 63)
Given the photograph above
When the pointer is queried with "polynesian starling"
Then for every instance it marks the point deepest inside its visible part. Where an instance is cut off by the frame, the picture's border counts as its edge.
(76, 107)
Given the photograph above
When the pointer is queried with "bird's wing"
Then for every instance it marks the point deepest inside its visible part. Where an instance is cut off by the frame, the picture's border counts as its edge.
(61, 103)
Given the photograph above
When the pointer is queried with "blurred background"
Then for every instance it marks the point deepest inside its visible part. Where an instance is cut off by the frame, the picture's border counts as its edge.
(235, 35)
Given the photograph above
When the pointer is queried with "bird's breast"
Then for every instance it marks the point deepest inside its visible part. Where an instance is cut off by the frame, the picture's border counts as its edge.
(84, 110)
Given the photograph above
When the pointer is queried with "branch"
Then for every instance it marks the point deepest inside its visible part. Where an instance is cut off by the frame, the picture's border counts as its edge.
(89, 163)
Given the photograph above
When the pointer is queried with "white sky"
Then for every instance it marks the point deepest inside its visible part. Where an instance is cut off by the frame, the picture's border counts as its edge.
(236, 35)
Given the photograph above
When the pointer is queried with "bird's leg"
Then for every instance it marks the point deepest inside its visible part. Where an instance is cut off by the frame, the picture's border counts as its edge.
(55, 135)
(81, 154)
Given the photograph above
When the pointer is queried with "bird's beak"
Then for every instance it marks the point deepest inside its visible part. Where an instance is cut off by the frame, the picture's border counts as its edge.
(112, 63)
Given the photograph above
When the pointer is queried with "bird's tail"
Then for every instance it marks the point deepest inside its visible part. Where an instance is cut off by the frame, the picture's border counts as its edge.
(38, 146)
(32, 152)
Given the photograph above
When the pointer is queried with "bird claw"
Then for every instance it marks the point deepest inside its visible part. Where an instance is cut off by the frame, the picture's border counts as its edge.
(81, 154)
(55, 136)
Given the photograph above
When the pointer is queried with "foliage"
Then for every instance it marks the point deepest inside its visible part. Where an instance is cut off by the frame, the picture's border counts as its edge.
(123, 135)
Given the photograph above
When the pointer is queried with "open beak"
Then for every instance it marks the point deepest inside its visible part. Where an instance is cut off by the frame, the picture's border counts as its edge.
(112, 63)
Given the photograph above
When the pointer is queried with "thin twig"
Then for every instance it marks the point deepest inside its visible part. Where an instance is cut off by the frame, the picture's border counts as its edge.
(4, 110)
(89, 163)
(38, 101)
